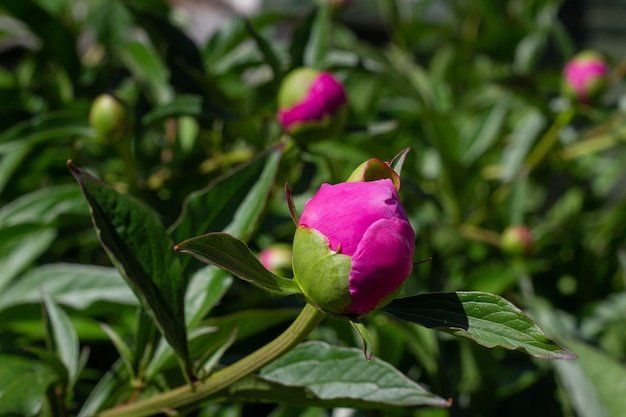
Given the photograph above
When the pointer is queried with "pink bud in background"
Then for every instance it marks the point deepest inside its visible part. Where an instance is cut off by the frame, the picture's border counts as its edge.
(516, 240)
(585, 76)
(276, 258)
(311, 104)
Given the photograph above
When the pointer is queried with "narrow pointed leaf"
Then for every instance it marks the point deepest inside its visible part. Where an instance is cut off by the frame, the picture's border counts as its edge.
(365, 338)
(121, 347)
(231, 254)
(486, 318)
(233, 202)
(140, 248)
(63, 336)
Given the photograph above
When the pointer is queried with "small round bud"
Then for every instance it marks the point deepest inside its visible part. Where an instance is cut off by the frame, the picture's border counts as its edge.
(585, 76)
(516, 240)
(311, 105)
(277, 258)
(106, 116)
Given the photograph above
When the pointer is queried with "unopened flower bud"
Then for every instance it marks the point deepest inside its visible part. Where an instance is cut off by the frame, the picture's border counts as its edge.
(277, 258)
(585, 76)
(516, 240)
(311, 104)
(106, 116)
(353, 248)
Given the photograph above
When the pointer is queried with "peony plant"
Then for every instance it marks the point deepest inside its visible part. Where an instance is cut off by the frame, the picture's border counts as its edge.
(352, 251)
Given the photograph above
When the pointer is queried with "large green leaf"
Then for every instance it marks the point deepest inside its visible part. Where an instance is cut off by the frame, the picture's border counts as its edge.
(23, 384)
(318, 374)
(140, 248)
(231, 254)
(232, 203)
(488, 319)
(76, 286)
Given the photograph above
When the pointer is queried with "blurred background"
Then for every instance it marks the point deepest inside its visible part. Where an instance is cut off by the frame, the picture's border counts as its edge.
(474, 88)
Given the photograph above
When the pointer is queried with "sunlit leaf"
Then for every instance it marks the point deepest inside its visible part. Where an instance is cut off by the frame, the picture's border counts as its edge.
(486, 318)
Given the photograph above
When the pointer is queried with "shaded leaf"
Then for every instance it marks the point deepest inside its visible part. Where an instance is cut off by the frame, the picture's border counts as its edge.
(63, 336)
(233, 202)
(43, 206)
(23, 384)
(231, 254)
(182, 105)
(76, 286)
(486, 318)
(140, 248)
(20, 245)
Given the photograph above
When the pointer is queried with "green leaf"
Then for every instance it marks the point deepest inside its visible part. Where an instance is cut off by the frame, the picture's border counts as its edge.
(322, 375)
(63, 336)
(140, 248)
(113, 384)
(122, 348)
(486, 318)
(10, 163)
(58, 40)
(76, 286)
(23, 384)
(231, 254)
(215, 332)
(488, 132)
(233, 202)
(182, 105)
(206, 287)
(20, 245)
(526, 131)
(365, 338)
(319, 40)
(43, 206)
(146, 66)
(269, 55)
(595, 383)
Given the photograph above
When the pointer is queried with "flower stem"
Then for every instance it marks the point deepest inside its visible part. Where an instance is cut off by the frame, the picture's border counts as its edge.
(190, 395)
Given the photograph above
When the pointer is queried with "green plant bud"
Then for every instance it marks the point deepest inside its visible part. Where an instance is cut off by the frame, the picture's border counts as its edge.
(106, 116)
(516, 240)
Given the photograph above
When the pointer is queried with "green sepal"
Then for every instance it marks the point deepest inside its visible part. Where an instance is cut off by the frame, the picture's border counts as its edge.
(296, 86)
(365, 338)
(321, 273)
(372, 170)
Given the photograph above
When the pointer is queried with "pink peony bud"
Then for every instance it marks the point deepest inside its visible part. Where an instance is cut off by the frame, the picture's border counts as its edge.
(584, 76)
(276, 258)
(353, 247)
(311, 104)
(516, 240)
